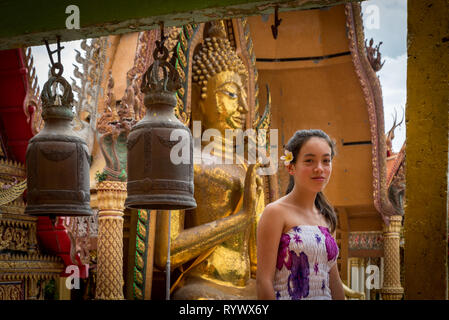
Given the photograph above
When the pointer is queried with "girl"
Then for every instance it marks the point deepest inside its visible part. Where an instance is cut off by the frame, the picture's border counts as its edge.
(296, 252)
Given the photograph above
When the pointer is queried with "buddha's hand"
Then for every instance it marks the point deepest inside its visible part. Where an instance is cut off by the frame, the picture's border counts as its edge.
(252, 190)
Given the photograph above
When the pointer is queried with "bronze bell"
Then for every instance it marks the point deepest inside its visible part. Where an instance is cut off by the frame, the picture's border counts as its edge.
(57, 160)
(155, 181)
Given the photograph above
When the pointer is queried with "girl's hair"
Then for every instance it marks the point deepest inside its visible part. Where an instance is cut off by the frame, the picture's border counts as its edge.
(294, 145)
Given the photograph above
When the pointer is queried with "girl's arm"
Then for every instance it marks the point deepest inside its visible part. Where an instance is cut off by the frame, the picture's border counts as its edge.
(335, 284)
(269, 232)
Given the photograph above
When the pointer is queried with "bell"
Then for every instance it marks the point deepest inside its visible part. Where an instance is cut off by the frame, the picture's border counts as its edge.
(158, 177)
(57, 160)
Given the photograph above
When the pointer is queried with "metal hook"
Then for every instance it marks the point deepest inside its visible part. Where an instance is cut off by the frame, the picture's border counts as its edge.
(277, 23)
(50, 52)
(160, 43)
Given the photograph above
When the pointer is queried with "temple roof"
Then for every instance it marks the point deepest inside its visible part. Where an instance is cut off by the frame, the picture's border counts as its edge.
(15, 128)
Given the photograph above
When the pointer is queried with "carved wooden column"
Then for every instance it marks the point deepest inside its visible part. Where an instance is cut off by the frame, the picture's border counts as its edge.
(392, 289)
(111, 197)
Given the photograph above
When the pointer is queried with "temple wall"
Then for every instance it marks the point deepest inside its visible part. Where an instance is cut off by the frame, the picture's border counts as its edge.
(125, 53)
(324, 94)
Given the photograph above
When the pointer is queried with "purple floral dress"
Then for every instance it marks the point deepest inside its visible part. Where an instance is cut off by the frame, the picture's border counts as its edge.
(306, 255)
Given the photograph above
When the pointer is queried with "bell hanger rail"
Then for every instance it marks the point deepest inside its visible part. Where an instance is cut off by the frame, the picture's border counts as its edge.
(124, 16)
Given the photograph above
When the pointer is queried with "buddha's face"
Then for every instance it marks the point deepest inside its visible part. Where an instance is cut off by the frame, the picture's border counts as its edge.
(225, 106)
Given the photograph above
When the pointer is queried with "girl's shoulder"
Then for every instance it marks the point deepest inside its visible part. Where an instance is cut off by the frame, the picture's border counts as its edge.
(275, 211)
(271, 222)
(275, 206)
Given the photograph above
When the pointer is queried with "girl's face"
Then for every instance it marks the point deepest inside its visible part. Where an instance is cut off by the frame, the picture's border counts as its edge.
(313, 166)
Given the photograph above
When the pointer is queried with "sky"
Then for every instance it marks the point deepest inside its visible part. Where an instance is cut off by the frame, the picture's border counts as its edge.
(384, 20)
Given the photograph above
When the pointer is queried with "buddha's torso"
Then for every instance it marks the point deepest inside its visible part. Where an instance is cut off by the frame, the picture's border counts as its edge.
(219, 102)
(218, 191)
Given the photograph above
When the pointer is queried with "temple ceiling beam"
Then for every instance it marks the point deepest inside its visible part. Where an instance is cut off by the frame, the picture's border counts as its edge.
(28, 22)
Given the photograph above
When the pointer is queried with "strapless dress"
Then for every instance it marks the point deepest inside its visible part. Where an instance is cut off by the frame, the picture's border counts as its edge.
(306, 255)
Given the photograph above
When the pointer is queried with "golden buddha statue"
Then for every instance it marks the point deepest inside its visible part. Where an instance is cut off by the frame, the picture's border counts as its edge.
(211, 244)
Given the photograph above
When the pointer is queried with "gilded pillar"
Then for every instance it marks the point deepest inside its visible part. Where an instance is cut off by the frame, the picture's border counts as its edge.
(111, 197)
(392, 289)
(64, 293)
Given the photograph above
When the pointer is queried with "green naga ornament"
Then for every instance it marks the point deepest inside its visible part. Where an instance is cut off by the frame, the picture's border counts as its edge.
(112, 129)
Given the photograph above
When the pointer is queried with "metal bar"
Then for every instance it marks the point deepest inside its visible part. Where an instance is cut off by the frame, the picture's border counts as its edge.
(167, 268)
(97, 19)
(356, 143)
(329, 56)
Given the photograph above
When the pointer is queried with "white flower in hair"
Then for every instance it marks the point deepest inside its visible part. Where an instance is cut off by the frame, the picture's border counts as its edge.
(287, 158)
